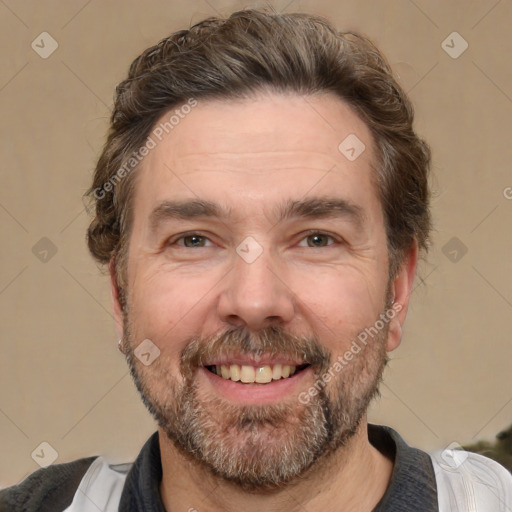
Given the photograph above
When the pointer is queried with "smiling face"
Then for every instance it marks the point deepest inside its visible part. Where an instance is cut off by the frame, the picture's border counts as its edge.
(257, 255)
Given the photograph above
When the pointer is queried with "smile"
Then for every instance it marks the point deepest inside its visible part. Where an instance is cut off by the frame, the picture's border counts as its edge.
(248, 374)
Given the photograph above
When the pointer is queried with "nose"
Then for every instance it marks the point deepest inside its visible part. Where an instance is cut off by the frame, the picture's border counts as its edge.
(255, 295)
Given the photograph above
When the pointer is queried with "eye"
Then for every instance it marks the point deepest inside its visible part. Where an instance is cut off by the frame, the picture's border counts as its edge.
(317, 239)
(191, 240)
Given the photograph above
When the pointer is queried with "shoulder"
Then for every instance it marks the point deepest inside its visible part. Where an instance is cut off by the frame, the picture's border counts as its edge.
(471, 481)
(48, 489)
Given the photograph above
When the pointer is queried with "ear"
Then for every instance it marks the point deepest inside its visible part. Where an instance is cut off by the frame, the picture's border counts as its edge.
(401, 289)
(115, 299)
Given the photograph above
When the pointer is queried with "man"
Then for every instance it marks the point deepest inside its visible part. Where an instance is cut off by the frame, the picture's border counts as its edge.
(261, 202)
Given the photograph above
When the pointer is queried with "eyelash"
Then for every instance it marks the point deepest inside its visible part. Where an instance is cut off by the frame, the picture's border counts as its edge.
(304, 237)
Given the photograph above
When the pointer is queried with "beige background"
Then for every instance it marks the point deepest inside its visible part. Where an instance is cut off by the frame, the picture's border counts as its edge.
(62, 380)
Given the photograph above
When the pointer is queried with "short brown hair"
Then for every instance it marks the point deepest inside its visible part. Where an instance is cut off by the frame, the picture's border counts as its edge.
(248, 52)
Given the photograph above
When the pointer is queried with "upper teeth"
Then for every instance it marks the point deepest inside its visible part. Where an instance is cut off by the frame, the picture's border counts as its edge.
(259, 374)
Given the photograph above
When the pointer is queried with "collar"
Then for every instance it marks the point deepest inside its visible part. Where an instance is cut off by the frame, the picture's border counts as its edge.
(413, 481)
(141, 491)
(412, 485)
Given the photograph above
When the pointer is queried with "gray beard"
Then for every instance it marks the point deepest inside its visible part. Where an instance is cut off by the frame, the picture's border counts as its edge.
(260, 447)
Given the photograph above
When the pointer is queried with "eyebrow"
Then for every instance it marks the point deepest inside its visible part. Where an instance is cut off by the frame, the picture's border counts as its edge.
(309, 208)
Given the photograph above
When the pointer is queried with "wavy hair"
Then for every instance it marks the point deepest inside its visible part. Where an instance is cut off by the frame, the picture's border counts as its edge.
(236, 57)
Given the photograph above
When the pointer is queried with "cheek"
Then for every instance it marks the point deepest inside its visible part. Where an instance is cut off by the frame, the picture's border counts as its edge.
(160, 295)
(167, 307)
(340, 302)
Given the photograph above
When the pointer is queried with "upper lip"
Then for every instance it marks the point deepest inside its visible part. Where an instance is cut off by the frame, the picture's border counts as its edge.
(253, 360)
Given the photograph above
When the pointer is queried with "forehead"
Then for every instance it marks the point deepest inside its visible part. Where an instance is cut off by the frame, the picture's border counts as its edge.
(260, 150)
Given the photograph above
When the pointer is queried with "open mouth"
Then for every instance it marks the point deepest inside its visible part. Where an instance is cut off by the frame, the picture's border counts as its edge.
(255, 374)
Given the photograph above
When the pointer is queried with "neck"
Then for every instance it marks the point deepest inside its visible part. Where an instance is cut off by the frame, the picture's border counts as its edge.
(353, 478)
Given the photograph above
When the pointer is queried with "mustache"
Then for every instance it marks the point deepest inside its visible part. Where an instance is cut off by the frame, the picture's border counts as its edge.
(272, 340)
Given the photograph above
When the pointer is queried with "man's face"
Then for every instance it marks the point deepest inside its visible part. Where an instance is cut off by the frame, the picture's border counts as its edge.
(281, 278)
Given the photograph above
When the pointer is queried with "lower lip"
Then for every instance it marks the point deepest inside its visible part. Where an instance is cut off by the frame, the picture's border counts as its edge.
(274, 391)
